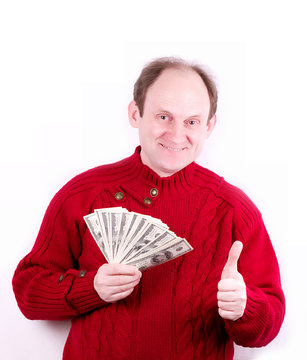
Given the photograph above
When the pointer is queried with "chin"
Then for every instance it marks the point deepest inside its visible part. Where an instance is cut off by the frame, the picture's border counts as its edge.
(172, 168)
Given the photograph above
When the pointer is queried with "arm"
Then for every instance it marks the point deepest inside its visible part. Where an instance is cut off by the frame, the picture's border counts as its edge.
(47, 282)
(265, 304)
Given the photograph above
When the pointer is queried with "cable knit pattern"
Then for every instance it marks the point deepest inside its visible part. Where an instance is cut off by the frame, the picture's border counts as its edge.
(172, 313)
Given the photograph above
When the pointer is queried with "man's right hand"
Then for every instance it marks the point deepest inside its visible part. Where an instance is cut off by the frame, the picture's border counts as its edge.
(114, 282)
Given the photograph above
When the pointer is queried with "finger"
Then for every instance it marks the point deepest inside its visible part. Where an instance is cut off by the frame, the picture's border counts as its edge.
(120, 296)
(120, 269)
(227, 296)
(234, 253)
(121, 288)
(228, 285)
(227, 305)
(120, 280)
(227, 315)
(230, 268)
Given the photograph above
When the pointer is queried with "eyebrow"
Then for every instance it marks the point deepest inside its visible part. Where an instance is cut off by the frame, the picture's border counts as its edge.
(170, 113)
(163, 111)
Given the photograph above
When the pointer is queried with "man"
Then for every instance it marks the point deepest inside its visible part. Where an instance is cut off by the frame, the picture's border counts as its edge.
(193, 307)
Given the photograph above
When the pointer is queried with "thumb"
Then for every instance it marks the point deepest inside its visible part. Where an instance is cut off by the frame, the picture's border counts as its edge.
(230, 268)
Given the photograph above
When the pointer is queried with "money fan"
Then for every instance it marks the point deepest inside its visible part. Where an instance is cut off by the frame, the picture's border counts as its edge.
(134, 239)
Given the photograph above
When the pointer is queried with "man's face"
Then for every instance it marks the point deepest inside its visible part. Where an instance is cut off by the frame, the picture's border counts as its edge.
(174, 124)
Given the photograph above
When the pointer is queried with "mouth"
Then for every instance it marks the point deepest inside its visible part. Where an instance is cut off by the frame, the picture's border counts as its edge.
(172, 148)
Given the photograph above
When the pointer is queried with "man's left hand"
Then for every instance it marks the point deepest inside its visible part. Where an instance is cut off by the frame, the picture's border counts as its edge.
(231, 294)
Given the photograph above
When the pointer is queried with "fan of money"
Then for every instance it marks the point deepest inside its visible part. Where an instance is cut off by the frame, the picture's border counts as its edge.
(134, 239)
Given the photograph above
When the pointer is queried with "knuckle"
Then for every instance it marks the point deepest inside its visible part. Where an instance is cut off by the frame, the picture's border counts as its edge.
(124, 288)
(103, 267)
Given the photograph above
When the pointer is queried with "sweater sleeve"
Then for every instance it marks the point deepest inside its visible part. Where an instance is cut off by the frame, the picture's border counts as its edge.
(48, 283)
(265, 308)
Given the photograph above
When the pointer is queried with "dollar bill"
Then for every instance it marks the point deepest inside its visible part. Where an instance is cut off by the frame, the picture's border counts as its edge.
(92, 223)
(122, 235)
(103, 219)
(166, 253)
(136, 229)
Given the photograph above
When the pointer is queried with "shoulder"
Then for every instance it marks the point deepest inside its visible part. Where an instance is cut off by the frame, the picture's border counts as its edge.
(243, 207)
(83, 188)
(99, 176)
(207, 179)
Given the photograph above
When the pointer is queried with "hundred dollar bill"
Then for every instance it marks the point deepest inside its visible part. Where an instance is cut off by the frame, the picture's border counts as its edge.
(110, 220)
(94, 227)
(166, 253)
(114, 228)
(137, 227)
(103, 218)
(124, 228)
(132, 221)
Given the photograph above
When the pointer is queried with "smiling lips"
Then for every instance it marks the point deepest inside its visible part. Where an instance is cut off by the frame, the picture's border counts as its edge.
(173, 149)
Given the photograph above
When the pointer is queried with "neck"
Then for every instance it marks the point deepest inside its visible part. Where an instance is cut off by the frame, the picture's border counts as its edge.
(161, 172)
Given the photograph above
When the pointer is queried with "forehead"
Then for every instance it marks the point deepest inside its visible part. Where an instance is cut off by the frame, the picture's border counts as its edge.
(178, 88)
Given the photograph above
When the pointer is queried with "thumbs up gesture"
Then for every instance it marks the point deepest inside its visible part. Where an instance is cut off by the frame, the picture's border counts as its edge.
(231, 294)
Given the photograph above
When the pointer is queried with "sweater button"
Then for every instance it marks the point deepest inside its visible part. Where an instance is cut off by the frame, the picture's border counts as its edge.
(61, 277)
(82, 273)
(147, 201)
(119, 195)
(153, 192)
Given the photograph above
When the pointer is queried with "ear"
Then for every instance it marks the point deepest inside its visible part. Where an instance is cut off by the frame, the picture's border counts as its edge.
(134, 114)
(210, 126)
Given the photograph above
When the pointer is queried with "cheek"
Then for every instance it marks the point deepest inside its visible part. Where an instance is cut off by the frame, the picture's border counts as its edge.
(198, 138)
(151, 131)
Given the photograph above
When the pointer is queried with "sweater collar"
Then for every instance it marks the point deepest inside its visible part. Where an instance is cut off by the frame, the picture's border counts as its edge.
(178, 183)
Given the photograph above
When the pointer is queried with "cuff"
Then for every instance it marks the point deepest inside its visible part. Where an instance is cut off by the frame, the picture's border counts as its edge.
(82, 295)
(249, 329)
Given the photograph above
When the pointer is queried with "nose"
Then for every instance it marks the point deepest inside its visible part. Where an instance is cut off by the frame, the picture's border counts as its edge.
(176, 132)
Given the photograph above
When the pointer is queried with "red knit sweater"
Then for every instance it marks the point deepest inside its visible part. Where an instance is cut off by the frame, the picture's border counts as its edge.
(172, 313)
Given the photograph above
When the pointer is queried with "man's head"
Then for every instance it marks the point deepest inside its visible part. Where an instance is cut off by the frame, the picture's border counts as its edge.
(174, 109)
(153, 69)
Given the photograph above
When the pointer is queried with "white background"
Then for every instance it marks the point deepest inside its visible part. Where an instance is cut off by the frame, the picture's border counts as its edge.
(67, 71)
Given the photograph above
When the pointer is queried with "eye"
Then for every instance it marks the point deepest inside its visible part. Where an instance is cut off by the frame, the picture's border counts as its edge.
(192, 122)
(163, 117)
